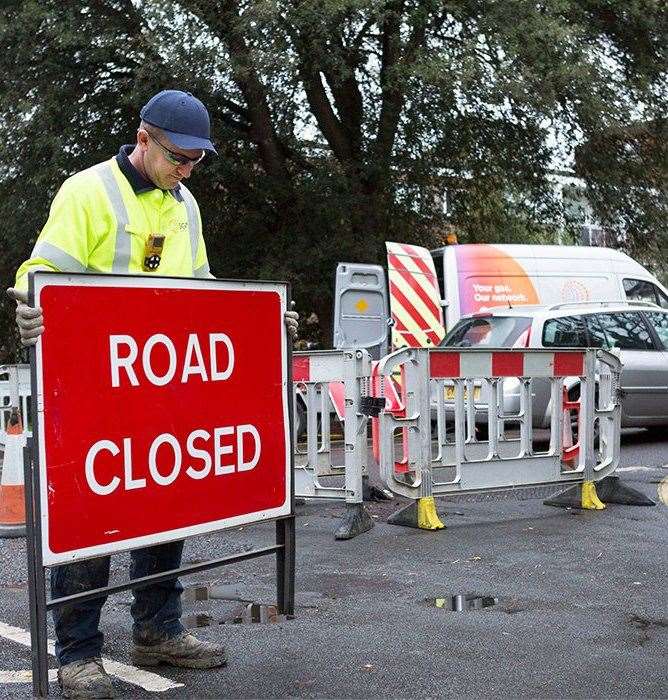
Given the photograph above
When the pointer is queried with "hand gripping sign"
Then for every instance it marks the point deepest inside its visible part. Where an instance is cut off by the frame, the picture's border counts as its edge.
(162, 410)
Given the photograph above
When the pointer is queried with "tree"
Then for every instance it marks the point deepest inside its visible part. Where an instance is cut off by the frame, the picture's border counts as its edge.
(626, 169)
(340, 122)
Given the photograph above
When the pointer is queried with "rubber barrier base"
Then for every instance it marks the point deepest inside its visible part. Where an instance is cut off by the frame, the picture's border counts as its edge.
(355, 521)
(374, 493)
(608, 490)
(613, 490)
(420, 514)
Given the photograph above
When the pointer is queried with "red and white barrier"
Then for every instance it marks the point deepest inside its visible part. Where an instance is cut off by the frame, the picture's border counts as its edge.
(475, 382)
(529, 363)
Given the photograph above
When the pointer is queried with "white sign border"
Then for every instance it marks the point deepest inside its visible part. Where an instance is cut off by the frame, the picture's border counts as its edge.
(43, 280)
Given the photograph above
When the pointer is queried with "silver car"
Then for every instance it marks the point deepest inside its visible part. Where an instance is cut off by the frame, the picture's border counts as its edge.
(638, 331)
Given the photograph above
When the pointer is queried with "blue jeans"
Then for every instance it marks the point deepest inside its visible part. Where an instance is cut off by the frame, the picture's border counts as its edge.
(156, 608)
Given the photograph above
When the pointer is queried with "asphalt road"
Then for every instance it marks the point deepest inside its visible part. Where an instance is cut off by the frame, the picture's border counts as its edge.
(581, 606)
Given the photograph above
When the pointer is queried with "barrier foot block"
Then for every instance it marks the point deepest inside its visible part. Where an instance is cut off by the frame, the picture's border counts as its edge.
(356, 521)
(419, 514)
(374, 493)
(613, 490)
(582, 496)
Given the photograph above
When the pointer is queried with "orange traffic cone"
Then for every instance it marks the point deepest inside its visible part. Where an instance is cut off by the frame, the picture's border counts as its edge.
(12, 487)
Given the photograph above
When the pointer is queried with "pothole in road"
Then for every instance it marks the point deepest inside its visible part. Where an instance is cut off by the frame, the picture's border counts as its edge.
(463, 602)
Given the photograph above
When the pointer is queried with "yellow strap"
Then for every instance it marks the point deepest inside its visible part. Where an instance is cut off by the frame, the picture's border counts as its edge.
(427, 516)
(590, 499)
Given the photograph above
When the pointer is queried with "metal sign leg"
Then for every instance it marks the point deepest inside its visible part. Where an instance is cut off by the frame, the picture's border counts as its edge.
(285, 565)
(36, 584)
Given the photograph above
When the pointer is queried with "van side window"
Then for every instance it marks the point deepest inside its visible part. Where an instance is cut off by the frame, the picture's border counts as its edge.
(642, 290)
(439, 266)
(624, 330)
(660, 322)
(661, 298)
(565, 332)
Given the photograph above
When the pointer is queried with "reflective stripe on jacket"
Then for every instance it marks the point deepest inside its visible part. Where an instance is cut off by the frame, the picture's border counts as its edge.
(98, 224)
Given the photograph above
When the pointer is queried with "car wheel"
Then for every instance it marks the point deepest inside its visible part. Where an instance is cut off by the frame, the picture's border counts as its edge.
(300, 419)
(658, 432)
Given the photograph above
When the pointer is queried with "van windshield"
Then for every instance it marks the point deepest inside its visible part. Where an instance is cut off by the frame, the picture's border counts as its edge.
(491, 331)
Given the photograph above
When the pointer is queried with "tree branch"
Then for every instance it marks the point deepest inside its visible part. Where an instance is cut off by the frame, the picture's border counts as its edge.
(347, 96)
(392, 99)
(224, 18)
(322, 109)
(337, 136)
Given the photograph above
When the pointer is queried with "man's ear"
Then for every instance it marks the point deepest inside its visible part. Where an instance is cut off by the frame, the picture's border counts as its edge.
(142, 138)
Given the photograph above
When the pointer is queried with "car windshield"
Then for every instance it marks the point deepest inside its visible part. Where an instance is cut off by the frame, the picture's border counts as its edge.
(492, 331)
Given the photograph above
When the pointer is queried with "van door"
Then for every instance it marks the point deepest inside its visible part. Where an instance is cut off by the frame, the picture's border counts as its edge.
(415, 299)
(361, 309)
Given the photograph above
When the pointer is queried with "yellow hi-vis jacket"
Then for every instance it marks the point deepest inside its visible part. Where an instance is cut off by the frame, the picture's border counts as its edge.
(97, 223)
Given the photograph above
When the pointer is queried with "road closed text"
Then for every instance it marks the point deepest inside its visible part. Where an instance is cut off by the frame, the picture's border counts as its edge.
(117, 464)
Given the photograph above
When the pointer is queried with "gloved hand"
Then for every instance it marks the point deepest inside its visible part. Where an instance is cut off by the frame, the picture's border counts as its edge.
(29, 319)
(292, 322)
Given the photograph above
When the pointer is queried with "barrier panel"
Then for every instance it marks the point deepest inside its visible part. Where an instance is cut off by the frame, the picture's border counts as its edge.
(333, 383)
(442, 394)
(14, 397)
(329, 383)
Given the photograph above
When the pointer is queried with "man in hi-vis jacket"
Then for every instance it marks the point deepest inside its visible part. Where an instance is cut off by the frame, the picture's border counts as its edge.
(130, 214)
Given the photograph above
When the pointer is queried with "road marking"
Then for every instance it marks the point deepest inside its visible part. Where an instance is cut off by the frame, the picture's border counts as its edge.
(130, 674)
(23, 676)
(638, 469)
(662, 491)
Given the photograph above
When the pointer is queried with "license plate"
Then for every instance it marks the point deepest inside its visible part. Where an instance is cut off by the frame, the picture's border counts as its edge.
(450, 393)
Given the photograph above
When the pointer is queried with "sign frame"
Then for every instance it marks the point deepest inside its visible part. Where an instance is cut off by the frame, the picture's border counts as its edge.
(40, 557)
(48, 280)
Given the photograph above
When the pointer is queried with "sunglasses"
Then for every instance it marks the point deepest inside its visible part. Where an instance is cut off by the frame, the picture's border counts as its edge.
(175, 158)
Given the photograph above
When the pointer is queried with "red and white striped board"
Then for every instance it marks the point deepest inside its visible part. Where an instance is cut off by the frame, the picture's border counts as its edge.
(415, 299)
(453, 365)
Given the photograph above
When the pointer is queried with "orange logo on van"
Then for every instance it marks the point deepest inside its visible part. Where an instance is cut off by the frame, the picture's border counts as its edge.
(489, 277)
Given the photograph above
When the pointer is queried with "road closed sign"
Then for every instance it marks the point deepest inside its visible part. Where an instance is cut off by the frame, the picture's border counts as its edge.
(162, 410)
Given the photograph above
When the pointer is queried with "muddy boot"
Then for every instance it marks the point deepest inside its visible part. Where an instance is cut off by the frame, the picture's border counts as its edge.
(85, 679)
(185, 650)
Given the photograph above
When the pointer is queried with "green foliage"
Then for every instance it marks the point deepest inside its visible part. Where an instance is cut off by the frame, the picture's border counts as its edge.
(340, 123)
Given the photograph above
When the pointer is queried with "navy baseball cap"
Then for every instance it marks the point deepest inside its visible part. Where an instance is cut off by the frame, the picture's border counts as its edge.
(182, 117)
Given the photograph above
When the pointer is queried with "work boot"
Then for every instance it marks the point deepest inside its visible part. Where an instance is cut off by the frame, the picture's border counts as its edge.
(185, 650)
(85, 679)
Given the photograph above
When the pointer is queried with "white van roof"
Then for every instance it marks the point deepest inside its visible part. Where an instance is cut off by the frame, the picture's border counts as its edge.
(619, 261)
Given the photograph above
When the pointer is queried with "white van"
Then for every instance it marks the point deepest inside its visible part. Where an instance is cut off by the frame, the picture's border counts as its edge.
(427, 292)
(477, 277)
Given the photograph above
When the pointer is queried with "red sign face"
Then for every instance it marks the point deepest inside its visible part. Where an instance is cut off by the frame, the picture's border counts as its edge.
(164, 410)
